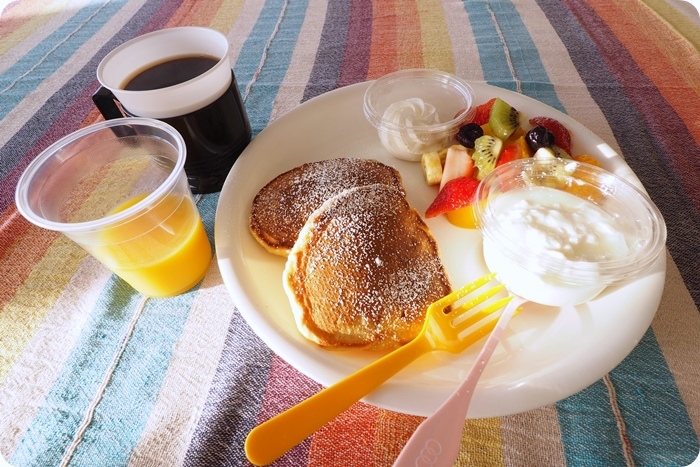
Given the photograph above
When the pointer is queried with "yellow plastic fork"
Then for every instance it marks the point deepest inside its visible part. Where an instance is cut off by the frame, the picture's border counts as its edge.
(441, 331)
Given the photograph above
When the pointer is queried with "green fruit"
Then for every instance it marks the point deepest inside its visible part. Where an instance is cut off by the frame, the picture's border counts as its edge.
(486, 151)
(560, 152)
(504, 119)
(552, 152)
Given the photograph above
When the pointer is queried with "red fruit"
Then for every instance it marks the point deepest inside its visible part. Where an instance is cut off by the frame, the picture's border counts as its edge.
(517, 149)
(482, 112)
(508, 154)
(457, 193)
(562, 135)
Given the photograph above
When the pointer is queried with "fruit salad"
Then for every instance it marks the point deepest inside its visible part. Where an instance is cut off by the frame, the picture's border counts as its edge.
(495, 136)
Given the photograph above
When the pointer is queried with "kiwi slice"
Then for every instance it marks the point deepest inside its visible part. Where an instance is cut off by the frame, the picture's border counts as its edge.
(486, 151)
(504, 119)
(560, 152)
(552, 152)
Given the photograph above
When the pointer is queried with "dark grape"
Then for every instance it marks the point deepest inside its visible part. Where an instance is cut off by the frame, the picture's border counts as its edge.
(468, 134)
(540, 137)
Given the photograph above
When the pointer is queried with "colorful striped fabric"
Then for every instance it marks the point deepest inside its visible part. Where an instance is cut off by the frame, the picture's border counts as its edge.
(92, 373)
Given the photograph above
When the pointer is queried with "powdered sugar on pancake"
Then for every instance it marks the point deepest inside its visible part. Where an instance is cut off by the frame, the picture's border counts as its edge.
(281, 207)
(364, 270)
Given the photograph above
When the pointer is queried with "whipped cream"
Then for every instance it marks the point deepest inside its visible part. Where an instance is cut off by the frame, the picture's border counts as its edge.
(400, 131)
(564, 239)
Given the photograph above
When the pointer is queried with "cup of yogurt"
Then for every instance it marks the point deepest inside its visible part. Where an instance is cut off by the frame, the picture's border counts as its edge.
(418, 110)
(558, 232)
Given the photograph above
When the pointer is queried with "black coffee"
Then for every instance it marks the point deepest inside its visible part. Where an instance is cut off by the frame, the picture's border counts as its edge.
(169, 73)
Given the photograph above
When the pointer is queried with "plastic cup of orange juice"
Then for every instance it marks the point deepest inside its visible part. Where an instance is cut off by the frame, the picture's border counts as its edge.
(118, 189)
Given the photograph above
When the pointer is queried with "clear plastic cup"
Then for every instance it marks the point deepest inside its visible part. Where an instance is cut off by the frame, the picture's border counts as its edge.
(118, 189)
(558, 232)
(418, 110)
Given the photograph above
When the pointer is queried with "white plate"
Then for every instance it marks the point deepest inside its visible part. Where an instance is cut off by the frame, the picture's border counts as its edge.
(547, 354)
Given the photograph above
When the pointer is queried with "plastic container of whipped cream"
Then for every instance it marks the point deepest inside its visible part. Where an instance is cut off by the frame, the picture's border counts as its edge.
(558, 232)
(417, 110)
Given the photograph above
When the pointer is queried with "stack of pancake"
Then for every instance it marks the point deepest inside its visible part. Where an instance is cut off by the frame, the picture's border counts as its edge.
(362, 266)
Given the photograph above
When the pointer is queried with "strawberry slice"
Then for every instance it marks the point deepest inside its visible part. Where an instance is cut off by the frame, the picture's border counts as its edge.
(561, 134)
(457, 193)
(482, 112)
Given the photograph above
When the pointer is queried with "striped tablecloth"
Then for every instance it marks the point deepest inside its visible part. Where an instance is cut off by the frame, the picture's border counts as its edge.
(93, 374)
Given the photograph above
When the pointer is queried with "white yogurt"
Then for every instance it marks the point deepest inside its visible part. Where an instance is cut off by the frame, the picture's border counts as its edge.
(556, 241)
(400, 120)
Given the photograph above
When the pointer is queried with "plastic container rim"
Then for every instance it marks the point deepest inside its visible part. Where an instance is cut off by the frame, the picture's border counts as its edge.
(609, 271)
(375, 118)
(161, 32)
(22, 195)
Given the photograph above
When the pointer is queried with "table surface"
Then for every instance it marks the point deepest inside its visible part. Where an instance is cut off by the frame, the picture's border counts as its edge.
(92, 373)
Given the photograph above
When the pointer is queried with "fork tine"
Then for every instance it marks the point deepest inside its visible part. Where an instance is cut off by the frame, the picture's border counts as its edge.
(481, 298)
(449, 299)
(486, 328)
(481, 314)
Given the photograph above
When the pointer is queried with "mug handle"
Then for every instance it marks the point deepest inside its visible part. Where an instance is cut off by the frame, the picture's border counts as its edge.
(106, 103)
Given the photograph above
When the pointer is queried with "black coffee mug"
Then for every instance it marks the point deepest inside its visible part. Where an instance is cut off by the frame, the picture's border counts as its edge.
(207, 109)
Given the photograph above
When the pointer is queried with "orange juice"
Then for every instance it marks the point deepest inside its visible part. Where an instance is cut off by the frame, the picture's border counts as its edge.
(163, 252)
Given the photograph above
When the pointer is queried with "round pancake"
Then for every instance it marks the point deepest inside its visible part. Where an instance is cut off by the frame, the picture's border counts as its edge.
(364, 270)
(283, 205)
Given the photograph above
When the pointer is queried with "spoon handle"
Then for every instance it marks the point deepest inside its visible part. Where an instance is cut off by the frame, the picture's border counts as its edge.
(437, 440)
